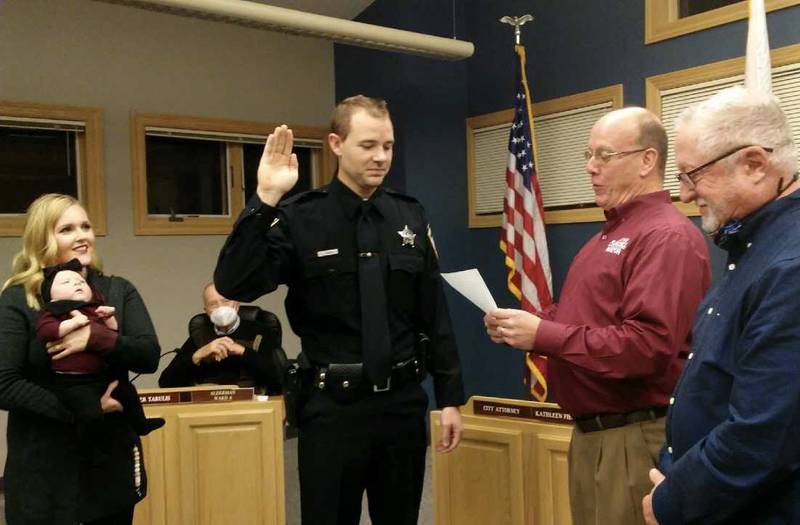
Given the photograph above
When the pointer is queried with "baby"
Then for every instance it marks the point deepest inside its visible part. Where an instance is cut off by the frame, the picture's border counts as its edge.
(80, 379)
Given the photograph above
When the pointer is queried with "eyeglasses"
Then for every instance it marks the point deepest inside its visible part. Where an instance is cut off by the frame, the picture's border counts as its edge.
(690, 177)
(605, 156)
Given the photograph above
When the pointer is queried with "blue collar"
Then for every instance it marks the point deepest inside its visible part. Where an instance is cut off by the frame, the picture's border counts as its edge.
(738, 232)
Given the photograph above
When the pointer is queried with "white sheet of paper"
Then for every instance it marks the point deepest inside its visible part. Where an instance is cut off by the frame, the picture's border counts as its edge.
(471, 285)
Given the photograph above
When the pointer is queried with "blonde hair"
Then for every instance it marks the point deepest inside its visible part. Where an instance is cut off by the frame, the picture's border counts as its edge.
(344, 110)
(39, 246)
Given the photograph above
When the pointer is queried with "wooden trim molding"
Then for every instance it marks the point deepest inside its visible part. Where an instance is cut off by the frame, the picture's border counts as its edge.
(655, 85)
(92, 188)
(145, 224)
(613, 94)
(661, 21)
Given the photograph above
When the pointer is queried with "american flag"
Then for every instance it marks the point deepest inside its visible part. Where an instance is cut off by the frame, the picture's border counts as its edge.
(523, 239)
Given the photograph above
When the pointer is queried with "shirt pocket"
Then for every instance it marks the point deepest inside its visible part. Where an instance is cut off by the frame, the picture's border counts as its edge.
(404, 278)
(331, 285)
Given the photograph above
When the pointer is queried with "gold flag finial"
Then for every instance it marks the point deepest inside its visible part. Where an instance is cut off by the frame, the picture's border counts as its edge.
(517, 22)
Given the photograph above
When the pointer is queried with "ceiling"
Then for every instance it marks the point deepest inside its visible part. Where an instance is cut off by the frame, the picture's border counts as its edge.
(337, 8)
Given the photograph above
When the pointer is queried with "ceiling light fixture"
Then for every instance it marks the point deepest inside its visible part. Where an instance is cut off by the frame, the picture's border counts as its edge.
(252, 14)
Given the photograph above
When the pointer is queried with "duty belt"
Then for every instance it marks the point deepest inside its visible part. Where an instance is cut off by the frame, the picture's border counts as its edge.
(606, 421)
(344, 377)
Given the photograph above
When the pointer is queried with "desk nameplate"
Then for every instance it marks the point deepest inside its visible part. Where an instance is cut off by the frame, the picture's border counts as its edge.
(220, 394)
(496, 409)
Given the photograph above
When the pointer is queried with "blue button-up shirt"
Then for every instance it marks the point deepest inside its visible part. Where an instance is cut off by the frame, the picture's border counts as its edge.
(733, 429)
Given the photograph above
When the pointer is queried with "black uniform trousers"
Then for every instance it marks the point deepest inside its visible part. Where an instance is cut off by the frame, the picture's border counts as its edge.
(121, 518)
(376, 443)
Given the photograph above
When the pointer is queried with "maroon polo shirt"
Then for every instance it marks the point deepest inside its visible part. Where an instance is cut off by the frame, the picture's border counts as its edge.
(618, 337)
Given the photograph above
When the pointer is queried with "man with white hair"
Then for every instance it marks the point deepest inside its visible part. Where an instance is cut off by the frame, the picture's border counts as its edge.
(732, 453)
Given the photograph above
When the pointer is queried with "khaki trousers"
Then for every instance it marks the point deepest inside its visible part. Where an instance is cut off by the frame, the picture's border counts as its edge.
(608, 472)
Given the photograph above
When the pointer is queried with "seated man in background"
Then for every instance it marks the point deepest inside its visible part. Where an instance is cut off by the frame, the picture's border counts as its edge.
(224, 348)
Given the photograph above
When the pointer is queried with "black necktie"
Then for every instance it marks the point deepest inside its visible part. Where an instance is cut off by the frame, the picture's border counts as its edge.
(375, 339)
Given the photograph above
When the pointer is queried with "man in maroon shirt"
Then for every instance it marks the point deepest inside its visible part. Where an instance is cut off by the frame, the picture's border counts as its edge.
(618, 338)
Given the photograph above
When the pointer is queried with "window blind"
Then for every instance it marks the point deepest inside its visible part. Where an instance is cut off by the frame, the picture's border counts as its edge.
(561, 138)
(785, 86)
(42, 123)
(220, 136)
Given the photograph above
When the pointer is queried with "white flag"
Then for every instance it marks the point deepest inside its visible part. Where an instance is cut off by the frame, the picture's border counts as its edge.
(758, 69)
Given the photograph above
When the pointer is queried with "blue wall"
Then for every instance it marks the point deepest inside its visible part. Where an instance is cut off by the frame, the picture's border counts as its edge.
(573, 46)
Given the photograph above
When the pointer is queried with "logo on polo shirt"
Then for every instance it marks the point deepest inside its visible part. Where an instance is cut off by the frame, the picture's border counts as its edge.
(617, 245)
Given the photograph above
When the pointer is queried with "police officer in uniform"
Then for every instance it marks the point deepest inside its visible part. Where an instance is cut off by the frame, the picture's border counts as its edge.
(365, 294)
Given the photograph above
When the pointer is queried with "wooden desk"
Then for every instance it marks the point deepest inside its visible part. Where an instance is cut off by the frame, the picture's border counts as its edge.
(214, 463)
(507, 470)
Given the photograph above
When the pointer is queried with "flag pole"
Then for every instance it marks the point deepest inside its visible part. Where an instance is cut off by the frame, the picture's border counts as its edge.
(517, 22)
(523, 240)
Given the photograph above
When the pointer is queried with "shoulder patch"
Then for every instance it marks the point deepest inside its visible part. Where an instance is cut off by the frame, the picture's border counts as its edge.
(399, 195)
(305, 196)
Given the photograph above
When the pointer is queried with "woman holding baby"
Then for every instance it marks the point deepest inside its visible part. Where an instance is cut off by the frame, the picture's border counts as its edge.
(48, 478)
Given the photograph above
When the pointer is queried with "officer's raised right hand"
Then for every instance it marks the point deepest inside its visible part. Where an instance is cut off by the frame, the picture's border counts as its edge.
(277, 171)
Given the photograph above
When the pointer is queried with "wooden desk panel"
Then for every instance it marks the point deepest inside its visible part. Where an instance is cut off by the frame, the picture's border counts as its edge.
(507, 470)
(215, 463)
(481, 477)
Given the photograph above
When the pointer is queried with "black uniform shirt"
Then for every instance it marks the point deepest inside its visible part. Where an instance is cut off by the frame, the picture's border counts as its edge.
(309, 243)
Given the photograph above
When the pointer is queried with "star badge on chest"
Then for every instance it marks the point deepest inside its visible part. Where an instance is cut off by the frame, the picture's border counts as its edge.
(407, 236)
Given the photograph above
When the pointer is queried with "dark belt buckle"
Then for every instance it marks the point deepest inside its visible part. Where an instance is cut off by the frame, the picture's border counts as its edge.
(376, 388)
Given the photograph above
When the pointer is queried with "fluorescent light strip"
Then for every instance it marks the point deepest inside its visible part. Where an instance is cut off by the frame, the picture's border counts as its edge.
(273, 18)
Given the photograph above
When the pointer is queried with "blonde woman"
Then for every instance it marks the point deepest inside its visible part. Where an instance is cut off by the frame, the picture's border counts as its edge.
(47, 480)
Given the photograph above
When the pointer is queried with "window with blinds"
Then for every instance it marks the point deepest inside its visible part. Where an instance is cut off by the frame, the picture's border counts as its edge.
(49, 149)
(561, 129)
(308, 159)
(669, 94)
(785, 86)
(490, 150)
(32, 158)
(193, 175)
(561, 139)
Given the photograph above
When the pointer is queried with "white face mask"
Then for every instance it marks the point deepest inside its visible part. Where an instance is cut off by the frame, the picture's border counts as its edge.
(224, 316)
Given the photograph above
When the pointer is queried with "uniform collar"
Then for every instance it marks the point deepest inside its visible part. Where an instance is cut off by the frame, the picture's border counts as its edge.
(634, 207)
(351, 202)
